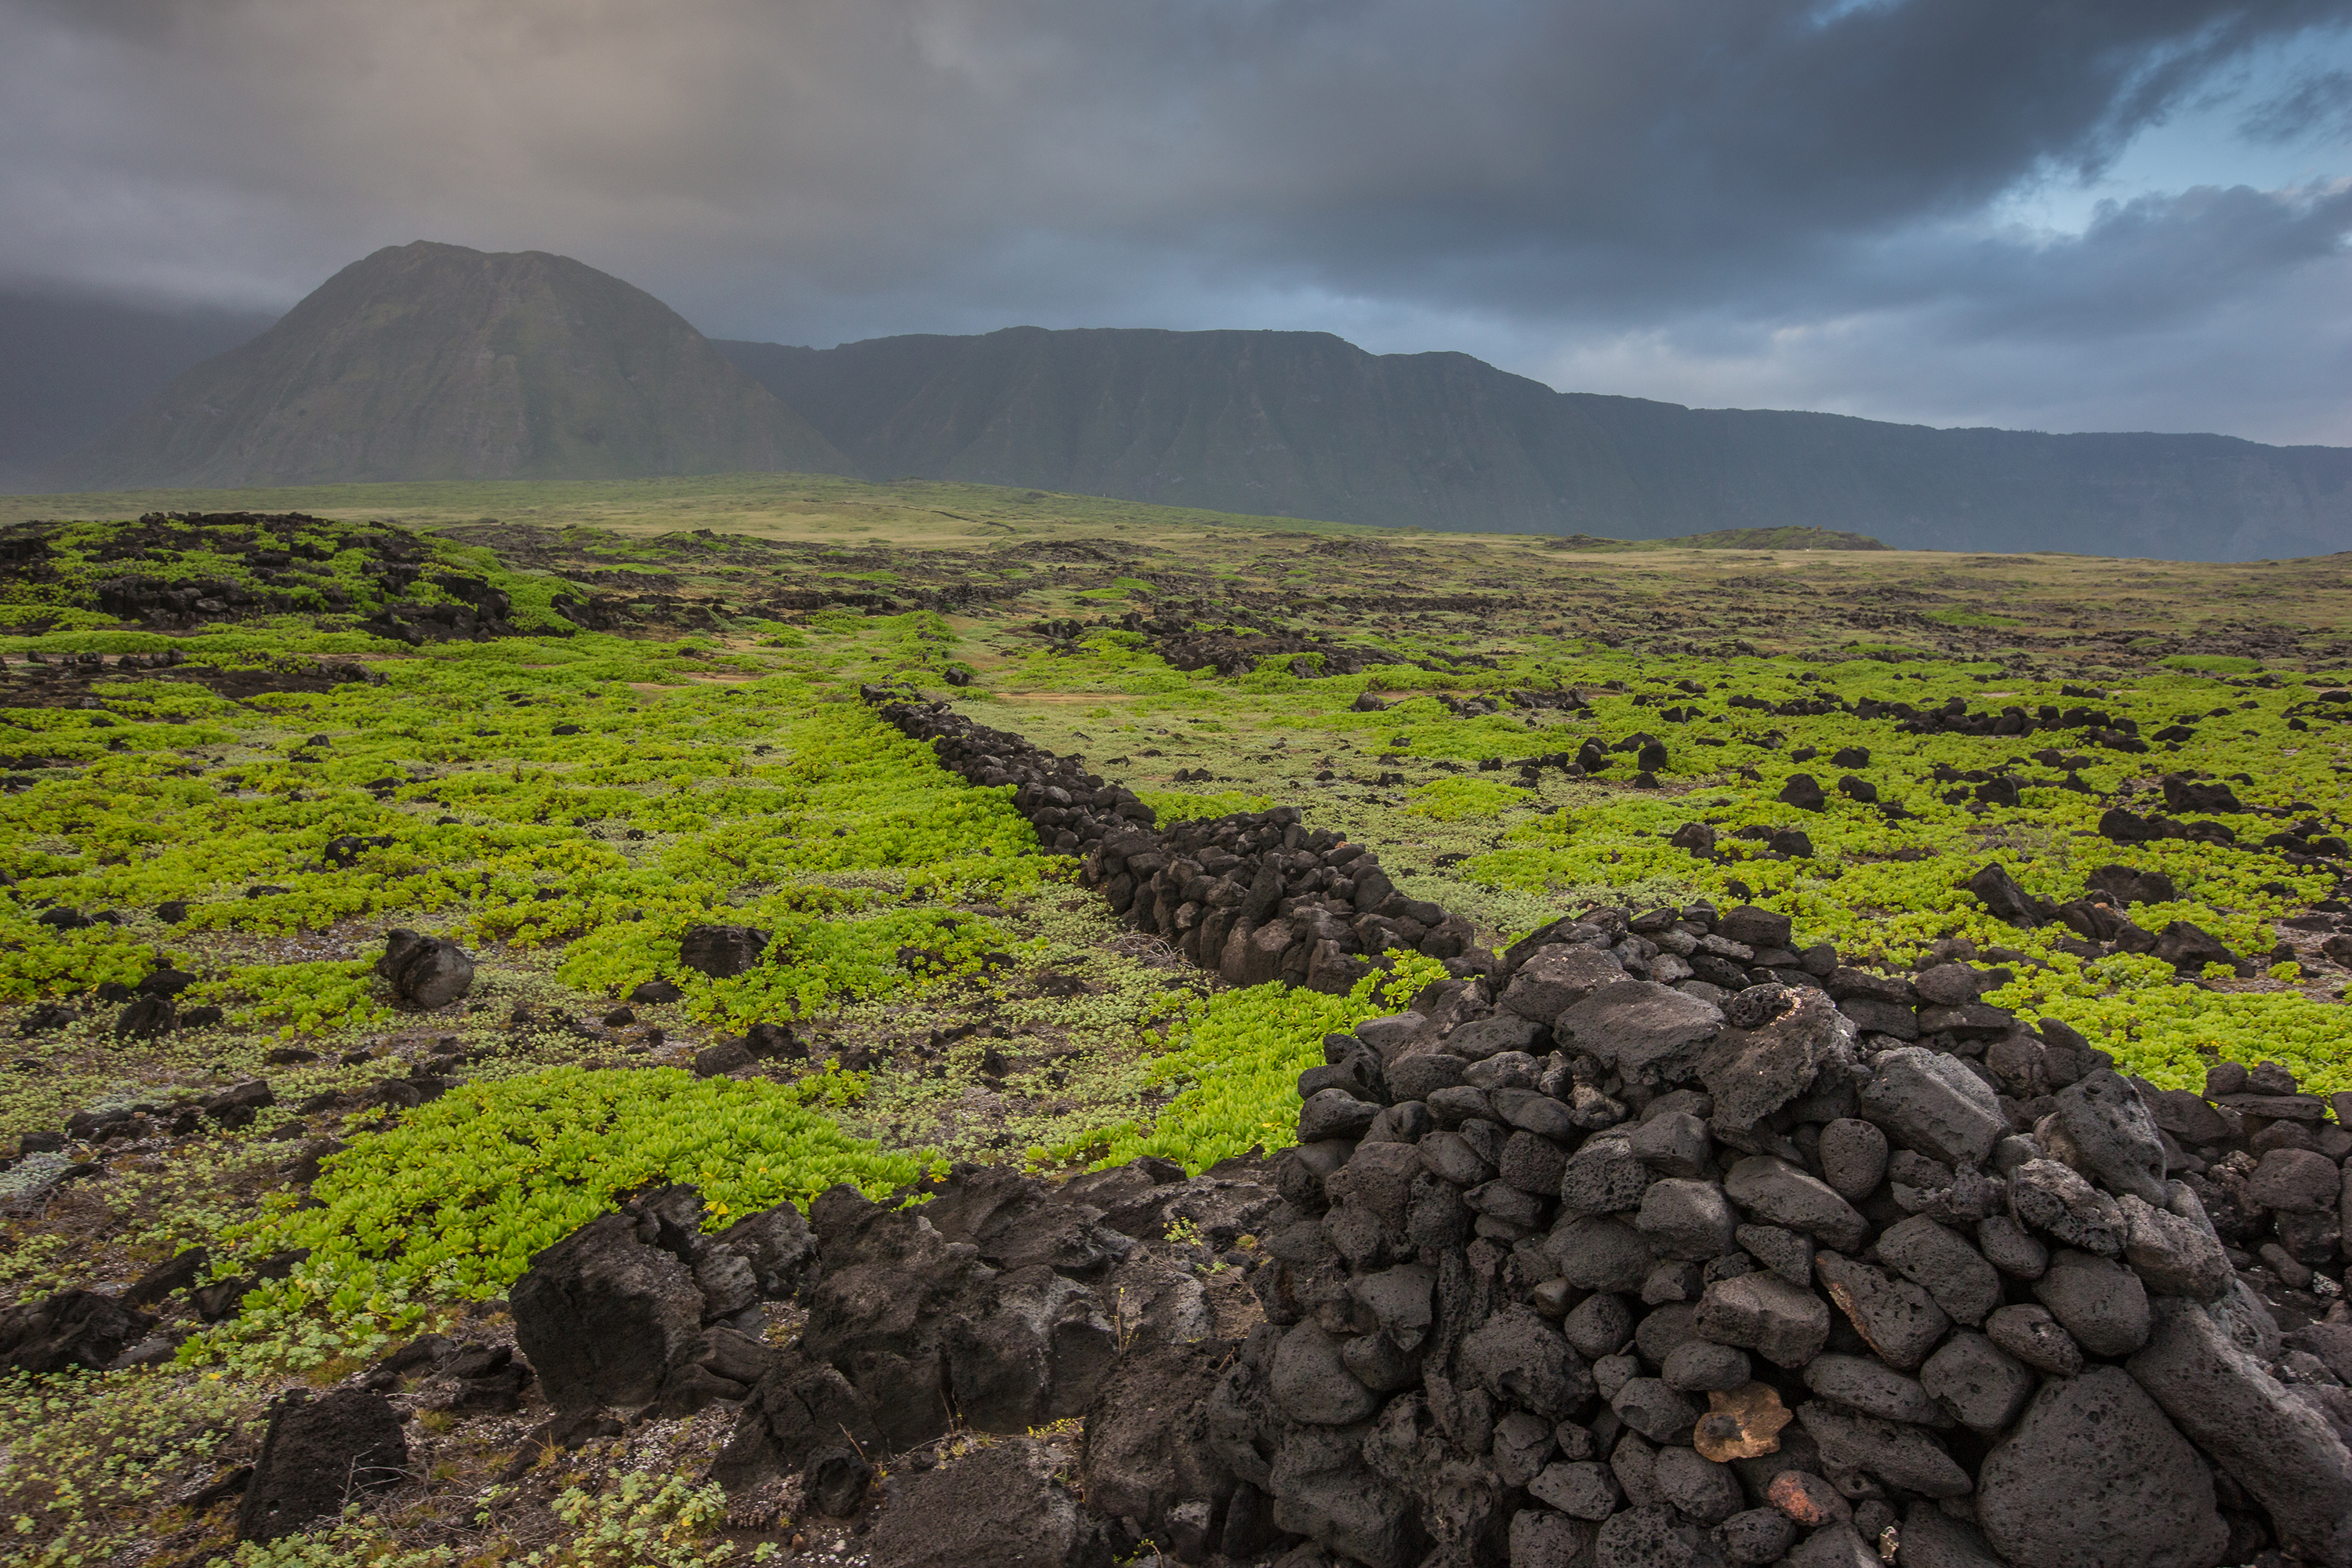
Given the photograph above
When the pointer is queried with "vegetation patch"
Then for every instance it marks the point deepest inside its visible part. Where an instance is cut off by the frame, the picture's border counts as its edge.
(451, 1203)
(1238, 1055)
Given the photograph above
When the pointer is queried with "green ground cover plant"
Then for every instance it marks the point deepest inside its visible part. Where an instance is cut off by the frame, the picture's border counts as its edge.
(451, 1203)
(1238, 1055)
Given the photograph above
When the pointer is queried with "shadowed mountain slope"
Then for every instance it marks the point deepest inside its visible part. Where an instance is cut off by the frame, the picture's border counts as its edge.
(1306, 425)
(72, 365)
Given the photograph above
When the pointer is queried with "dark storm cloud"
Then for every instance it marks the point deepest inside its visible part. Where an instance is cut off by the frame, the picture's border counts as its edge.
(1705, 197)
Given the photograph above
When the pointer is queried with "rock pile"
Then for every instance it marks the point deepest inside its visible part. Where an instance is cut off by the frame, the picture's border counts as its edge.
(1256, 896)
(1837, 1266)
(640, 1310)
(1000, 1302)
(1581, 1260)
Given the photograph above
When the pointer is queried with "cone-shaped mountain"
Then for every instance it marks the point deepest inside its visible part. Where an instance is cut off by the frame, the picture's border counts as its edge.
(434, 361)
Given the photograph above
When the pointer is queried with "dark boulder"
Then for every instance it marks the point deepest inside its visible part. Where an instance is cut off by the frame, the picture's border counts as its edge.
(1852, 1156)
(1774, 1192)
(1311, 1383)
(2056, 1200)
(1031, 1350)
(720, 950)
(1959, 1279)
(2278, 1448)
(68, 1329)
(1899, 1453)
(1897, 1318)
(238, 1103)
(1752, 1072)
(2185, 794)
(2189, 948)
(1324, 1489)
(2098, 1301)
(1933, 1103)
(2094, 1477)
(1980, 1384)
(2108, 1123)
(606, 1319)
(717, 1060)
(2175, 1249)
(1556, 978)
(1003, 1507)
(2004, 900)
(1763, 1312)
(1645, 1030)
(424, 972)
(2030, 1334)
(317, 1456)
(1754, 926)
(1525, 1361)
(792, 1411)
(1804, 792)
(1148, 1449)
(2126, 886)
(778, 1247)
(146, 1018)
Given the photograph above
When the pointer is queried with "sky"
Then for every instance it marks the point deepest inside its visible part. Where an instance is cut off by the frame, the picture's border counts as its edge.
(2084, 214)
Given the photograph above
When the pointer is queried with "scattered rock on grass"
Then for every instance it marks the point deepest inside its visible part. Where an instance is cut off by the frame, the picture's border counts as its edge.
(426, 971)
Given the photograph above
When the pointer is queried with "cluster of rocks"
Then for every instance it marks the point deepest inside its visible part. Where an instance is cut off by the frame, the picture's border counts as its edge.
(475, 612)
(1571, 1265)
(2098, 918)
(421, 973)
(1954, 717)
(287, 567)
(1660, 1239)
(284, 566)
(424, 972)
(41, 1164)
(1256, 896)
(999, 1304)
(1072, 809)
(1561, 698)
(1609, 1272)
(1230, 654)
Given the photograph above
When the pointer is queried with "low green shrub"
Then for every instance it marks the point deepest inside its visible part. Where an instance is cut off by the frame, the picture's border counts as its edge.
(453, 1202)
(1238, 1055)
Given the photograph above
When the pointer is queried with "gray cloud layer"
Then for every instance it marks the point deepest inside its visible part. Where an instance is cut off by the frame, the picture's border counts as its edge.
(1716, 201)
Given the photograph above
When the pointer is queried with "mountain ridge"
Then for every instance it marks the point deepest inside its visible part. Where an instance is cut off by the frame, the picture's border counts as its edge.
(427, 361)
(1244, 421)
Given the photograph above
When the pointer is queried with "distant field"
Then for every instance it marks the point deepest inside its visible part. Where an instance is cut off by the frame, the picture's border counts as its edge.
(813, 506)
(1763, 581)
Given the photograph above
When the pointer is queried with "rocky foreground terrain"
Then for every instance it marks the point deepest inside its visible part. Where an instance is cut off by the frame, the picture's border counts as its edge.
(497, 1081)
(1583, 1259)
